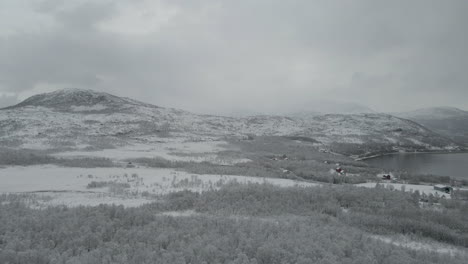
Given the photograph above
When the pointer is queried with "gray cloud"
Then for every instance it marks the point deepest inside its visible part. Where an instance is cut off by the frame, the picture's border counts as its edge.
(7, 100)
(231, 55)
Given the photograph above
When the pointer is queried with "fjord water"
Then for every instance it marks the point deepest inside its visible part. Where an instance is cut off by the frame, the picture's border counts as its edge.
(450, 164)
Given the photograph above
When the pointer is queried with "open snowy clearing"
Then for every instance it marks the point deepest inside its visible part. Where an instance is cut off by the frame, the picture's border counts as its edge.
(129, 187)
(40, 200)
(432, 246)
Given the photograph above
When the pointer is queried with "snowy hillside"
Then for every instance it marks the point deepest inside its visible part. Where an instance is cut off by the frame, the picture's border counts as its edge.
(77, 100)
(84, 119)
(448, 121)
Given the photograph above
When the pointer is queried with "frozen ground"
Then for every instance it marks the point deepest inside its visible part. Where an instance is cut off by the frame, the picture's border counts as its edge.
(130, 187)
(72, 199)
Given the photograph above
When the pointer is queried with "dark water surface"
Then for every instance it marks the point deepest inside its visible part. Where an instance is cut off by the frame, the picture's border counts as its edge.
(452, 164)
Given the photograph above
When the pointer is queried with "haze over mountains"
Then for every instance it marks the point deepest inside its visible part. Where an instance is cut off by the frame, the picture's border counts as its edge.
(87, 119)
(312, 107)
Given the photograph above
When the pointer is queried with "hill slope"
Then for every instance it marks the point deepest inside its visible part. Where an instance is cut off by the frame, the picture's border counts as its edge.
(448, 121)
(76, 100)
(84, 118)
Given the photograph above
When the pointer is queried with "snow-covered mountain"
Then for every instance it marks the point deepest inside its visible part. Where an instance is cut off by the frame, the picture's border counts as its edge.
(448, 121)
(87, 119)
(76, 100)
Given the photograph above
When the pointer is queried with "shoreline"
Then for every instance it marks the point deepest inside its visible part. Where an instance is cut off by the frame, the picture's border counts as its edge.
(397, 153)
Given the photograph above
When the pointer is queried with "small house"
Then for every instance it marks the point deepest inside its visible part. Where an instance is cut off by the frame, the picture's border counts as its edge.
(386, 177)
(443, 188)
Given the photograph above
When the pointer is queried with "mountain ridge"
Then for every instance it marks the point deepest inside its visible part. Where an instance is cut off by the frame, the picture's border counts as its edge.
(71, 119)
(67, 99)
(450, 122)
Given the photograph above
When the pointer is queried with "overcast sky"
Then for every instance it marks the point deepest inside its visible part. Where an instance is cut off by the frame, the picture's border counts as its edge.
(219, 56)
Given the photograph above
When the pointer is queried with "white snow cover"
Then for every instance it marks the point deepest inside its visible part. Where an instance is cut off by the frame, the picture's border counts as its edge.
(84, 108)
(185, 213)
(68, 186)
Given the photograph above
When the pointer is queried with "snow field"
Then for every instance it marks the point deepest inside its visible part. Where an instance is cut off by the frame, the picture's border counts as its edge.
(430, 246)
(68, 186)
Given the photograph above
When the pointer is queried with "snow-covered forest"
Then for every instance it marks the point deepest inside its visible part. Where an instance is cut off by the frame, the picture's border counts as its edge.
(255, 223)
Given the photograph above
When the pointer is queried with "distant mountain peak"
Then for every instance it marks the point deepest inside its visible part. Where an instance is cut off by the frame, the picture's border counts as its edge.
(451, 122)
(434, 113)
(75, 99)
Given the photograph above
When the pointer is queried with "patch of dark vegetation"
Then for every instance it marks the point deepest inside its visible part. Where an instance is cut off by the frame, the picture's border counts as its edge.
(267, 146)
(460, 194)
(158, 162)
(10, 143)
(223, 154)
(331, 178)
(414, 178)
(61, 143)
(303, 139)
(23, 157)
(372, 149)
(243, 169)
(362, 150)
(103, 184)
(86, 162)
